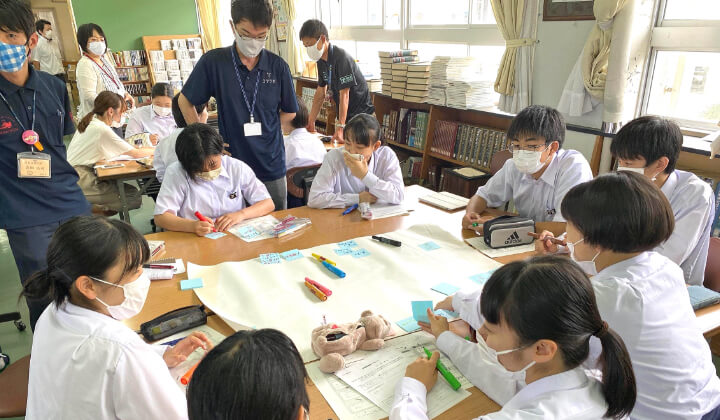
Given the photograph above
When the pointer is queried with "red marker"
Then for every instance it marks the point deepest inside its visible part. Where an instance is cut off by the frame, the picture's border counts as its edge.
(322, 288)
(204, 219)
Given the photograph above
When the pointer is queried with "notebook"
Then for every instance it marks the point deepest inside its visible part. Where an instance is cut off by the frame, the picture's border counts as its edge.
(701, 297)
(445, 200)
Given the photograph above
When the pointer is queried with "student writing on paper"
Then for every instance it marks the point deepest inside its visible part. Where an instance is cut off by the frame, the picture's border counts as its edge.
(344, 180)
(85, 363)
(165, 150)
(539, 174)
(206, 181)
(528, 357)
(302, 148)
(255, 374)
(156, 119)
(95, 141)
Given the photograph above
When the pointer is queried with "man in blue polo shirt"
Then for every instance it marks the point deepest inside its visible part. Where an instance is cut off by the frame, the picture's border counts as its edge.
(254, 92)
(39, 189)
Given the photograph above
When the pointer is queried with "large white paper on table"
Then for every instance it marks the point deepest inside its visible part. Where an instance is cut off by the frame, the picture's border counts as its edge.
(374, 374)
(256, 229)
(254, 295)
(479, 244)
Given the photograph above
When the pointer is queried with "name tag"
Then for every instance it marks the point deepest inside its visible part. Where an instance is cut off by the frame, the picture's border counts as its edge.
(33, 165)
(252, 129)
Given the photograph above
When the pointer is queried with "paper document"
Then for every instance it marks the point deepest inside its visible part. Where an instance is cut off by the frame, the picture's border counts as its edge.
(479, 244)
(256, 229)
(345, 401)
(374, 374)
(381, 211)
(122, 157)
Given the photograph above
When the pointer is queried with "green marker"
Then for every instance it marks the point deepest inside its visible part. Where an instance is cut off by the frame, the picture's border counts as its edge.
(476, 224)
(454, 383)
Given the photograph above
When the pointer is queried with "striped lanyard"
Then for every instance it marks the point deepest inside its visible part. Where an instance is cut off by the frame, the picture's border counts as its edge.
(251, 108)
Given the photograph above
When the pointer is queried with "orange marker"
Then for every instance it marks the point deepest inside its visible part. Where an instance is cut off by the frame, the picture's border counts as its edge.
(316, 291)
(185, 379)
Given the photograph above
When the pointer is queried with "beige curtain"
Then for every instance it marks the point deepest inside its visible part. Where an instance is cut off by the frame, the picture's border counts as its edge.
(594, 62)
(294, 46)
(509, 17)
(209, 31)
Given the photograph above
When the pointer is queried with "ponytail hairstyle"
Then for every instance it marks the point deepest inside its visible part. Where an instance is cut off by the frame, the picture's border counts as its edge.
(551, 298)
(86, 246)
(104, 101)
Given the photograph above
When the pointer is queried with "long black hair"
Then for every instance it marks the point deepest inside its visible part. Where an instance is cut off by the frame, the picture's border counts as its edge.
(86, 246)
(551, 298)
(250, 375)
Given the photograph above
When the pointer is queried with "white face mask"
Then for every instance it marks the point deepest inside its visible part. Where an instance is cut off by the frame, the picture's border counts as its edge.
(97, 47)
(640, 171)
(249, 47)
(210, 175)
(116, 124)
(48, 34)
(527, 162)
(135, 295)
(492, 356)
(162, 111)
(313, 51)
(587, 266)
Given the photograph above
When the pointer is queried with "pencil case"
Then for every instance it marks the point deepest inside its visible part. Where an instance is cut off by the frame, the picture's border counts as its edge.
(505, 231)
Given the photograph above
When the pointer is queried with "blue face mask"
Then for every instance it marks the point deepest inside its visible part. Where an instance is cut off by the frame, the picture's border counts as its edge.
(12, 57)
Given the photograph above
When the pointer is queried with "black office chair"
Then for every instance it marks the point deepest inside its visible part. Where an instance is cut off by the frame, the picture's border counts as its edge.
(299, 181)
(151, 188)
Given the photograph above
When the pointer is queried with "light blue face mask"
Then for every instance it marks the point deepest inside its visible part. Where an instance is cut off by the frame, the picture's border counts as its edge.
(12, 57)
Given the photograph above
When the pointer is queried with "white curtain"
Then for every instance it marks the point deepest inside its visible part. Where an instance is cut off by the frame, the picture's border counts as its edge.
(289, 49)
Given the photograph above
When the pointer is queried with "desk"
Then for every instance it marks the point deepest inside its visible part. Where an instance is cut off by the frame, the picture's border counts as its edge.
(131, 171)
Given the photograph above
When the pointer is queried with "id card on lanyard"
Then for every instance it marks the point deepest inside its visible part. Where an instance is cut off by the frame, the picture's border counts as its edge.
(251, 128)
(30, 164)
(329, 92)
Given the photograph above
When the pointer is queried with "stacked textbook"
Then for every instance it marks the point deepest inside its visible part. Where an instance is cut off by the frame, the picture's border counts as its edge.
(387, 59)
(460, 82)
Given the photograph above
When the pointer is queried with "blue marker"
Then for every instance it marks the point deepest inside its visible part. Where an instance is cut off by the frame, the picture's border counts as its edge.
(338, 272)
(172, 342)
(350, 209)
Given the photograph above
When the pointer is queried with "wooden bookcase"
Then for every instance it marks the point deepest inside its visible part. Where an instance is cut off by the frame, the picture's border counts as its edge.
(152, 43)
(329, 123)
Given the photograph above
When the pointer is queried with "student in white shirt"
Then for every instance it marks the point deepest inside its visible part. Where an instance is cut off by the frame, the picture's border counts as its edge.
(343, 180)
(206, 181)
(528, 357)
(539, 173)
(95, 141)
(302, 148)
(255, 374)
(85, 363)
(155, 119)
(47, 52)
(165, 151)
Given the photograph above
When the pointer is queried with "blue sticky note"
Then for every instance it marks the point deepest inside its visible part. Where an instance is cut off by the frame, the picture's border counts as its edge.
(191, 284)
(215, 235)
(248, 232)
(347, 244)
(343, 251)
(419, 310)
(447, 314)
(360, 252)
(481, 278)
(408, 324)
(291, 255)
(430, 246)
(272, 258)
(445, 288)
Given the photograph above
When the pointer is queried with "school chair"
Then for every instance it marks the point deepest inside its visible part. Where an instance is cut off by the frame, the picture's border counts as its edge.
(498, 160)
(14, 388)
(15, 318)
(712, 267)
(299, 181)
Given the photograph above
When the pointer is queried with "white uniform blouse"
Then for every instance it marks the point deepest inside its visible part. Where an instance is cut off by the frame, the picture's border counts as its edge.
(145, 120)
(96, 143)
(90, 82)
(165, 153)
(537, 199)
(303, 149)
(86, 365)
(335, 186)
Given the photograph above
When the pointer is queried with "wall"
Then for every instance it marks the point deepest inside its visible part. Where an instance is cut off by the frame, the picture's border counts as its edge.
(125, 22)
(63, 23)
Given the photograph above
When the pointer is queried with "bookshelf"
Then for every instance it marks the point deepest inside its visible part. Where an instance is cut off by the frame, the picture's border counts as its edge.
(328, 113)
(134, 76)
(155, 43)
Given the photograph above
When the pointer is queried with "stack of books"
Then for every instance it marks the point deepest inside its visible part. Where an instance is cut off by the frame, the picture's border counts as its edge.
(461, 82)
(417, 84)
(466, 143)
(387, 59)
(399, 80)
(128, 58)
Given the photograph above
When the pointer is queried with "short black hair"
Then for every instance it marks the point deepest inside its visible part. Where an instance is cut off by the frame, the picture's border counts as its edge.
(196, 143)
(162, 89)
(313, 28)
(538, 120)
(364, 128)
(177, 113)
(301, 115)
(40, 25)
(651, 138)
(620, 211)
(17, 16)
(257, 12)
(85, 31)
(255, 374)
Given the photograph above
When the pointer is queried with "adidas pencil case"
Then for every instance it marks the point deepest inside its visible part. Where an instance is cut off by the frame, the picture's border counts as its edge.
(505, 231)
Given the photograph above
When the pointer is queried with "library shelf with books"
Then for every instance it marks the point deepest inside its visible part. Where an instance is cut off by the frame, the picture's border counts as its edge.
(305, 89)
(171, 58)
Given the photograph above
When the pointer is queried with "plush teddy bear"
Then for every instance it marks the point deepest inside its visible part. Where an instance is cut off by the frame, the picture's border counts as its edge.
(332, 341)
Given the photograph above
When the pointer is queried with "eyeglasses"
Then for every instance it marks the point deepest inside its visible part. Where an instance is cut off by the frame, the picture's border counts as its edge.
(529, 148)
(248, 38)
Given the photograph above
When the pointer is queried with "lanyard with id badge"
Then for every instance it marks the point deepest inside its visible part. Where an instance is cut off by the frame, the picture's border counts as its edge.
(30, 164)
(252, 128)
(329, 93)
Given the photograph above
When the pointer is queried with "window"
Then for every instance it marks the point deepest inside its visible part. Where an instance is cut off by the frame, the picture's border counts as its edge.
(434, 12)
(361, 13)
(429, 50)
(683, 78)
(304, 11)
(367, 55)
(482, 13)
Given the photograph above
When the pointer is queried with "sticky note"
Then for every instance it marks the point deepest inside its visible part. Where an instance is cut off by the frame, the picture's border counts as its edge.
(445, 288)
(481, 278)
(347, 244)
(215, 235)
(343, 251)
(272, 258)
(408, 324)
(419, 310)
(360, 252)
(447, 314)
(248, 232)
(191, 284)
(430, 246)
(291, 255)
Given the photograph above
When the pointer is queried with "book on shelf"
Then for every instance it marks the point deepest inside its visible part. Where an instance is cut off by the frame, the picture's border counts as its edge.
(418, 81)
(416, 87)
(375, 85)
(400, 66)
(128, 58)
(398, 53)
(419, 68)
(411, 167)
(399, 74)
(132, 74)
(395, 60)
(416, 93)
(467, 143)
(397, 84)
(415, 99)
(398, 90)
(399, 96)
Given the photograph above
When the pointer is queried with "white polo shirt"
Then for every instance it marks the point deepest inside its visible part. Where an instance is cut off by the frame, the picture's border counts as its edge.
(145, 120)
(303, 148)
(47, 53)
